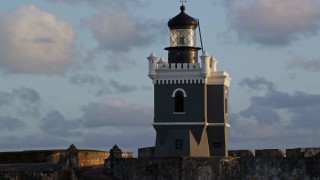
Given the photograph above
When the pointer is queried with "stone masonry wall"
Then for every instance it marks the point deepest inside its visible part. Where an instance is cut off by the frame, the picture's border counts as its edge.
(216, 168)
(26, 156)
(300, 163)
(85, 157)
(40, 171)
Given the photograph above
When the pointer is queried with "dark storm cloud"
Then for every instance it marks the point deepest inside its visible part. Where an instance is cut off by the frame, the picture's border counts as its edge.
(312, 65)
(54, 123)
(273, 23)
(10, 124)
(116, 113)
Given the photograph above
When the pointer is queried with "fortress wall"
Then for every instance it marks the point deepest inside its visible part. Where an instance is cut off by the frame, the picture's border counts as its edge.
(300, 163)
(85, 157)
(92, 158)
(26, 156)
(216, 168)
(34, 171)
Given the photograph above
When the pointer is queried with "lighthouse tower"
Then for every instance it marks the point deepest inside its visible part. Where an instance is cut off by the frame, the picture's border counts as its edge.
(190, 98)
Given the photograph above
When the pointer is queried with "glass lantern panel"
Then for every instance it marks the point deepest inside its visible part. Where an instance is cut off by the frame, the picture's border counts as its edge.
(182, 37)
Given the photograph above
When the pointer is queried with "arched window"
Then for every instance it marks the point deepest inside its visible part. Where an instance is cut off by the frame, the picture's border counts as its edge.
(179, 102)
(179, 95)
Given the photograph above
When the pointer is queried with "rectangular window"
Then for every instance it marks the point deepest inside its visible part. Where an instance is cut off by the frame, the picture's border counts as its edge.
(181, 40)
(217, 145)
(178, 143)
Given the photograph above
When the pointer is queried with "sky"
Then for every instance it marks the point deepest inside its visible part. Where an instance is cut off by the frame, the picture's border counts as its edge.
(75, 71)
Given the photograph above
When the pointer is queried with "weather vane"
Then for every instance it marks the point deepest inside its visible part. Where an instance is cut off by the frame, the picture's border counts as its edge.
(183, 1)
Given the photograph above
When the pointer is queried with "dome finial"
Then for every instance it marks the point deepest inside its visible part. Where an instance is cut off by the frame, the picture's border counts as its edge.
(182, 8)
(183, 1)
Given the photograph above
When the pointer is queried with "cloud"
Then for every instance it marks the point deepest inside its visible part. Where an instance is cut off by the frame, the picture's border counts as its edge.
(26, 101)
(54, 123)
(10, 124)
(33, 141)
(5, 98)
(116, 88)
(246, 133)
(127, 138)
(273, 22)
(306, 117)
(120, 32)
(312, 65)
(116, 113)
(105, 3)
(86, 79)
(105, 87)
(27, 95)
(276, 119)
(264, 115)
(116, 62)
(257, 83)
(35, 42)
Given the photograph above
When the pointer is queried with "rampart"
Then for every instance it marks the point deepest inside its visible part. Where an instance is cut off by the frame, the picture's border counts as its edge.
(67, 164)
(300, 163)
(86, 158)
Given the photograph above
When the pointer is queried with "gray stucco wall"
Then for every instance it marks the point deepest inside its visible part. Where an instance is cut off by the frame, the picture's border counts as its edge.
(218, 134)
(166, 139)
(194, 138)
(164, 103)
(216, 104)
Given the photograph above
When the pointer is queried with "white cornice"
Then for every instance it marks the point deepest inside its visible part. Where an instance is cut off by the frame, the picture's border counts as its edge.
(194, 76)
(220, 77)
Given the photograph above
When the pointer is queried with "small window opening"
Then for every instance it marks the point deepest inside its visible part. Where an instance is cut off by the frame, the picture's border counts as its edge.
(226, 102)
(179, 102)
(178, 143)
(181, 40)
(217, 145)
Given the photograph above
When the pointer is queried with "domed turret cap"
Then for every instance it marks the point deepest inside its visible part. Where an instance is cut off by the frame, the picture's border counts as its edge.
(182, 21)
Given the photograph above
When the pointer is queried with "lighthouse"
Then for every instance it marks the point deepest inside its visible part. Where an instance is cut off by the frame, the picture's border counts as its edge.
(190, 97)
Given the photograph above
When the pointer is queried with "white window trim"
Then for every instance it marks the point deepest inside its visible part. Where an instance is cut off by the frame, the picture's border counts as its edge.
(179, 89)
(179, 112)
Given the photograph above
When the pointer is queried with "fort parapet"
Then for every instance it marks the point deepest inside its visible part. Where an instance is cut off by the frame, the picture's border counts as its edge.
(299, 163)
(67, 164)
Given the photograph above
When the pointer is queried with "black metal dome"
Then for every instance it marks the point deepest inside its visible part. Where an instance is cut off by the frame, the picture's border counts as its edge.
(182, 21)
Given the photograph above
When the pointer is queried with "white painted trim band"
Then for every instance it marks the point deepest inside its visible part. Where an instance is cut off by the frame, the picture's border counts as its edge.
(219, 124)
(190, 123)
(179, 123)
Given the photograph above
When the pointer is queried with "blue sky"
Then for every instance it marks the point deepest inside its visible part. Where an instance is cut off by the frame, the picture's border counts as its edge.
(75, 71)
